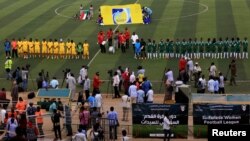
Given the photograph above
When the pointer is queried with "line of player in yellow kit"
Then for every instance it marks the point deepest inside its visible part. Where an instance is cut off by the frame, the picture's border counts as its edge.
(53, 49)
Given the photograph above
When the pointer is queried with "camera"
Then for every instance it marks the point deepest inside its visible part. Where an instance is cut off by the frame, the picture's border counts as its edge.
(27, 66)
(110, 72)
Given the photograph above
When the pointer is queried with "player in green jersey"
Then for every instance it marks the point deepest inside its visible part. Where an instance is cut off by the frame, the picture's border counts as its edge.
(219, 48)
(237, 48)
(245, 48)
(177, 48)
(161, 47)
(167, 48)
(213, 48)
(154, 50)
(171, 49)
(226, 48)
(189, 48)
(208, 47)
(195, 48)
(200, 49)
(149, 49)
(183, 47)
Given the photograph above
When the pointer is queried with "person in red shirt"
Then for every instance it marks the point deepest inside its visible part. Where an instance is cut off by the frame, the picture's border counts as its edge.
(96, 83)
(182, 64)
(101, 41)
(122, 42)
(110, 36)
(14, 48)
(127, 37)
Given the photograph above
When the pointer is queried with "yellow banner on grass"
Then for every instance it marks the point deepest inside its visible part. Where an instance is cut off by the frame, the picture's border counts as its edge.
(122, 14)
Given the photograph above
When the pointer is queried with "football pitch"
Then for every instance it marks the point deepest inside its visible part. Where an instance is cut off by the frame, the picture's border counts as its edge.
(171, 19)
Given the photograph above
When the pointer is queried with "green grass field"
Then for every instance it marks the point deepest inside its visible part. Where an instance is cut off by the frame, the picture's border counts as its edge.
(171, 19)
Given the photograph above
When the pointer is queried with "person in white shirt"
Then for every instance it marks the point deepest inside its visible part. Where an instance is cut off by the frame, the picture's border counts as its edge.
(71, 81)
(190, 66)
(216, 85)
(132, 78)
(3, 112)
(169, 75)
(54, 83)
(98, 101)
(125, 107)
(140, 95)
(124, 135)
(11, 127)
(132, 91)
(221, 84)
(134, 37)
(116, 81)
(203, 83)
(86, 86)
(166, 127)
(210, 84)
(150, 96)
(83, 73)
(197, 73)
(80, 136)
(212, 70)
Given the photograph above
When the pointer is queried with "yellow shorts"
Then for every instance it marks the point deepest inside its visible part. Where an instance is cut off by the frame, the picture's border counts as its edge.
(56, 51)
(68, 52)
(25, 49)
(31, 50)
(37, 50)
(44, 51)
(20, 50)
(86, 52)
(73, 52)
(50, 51)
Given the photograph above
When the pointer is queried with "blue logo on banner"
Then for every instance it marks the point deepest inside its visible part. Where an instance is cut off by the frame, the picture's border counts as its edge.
(121, 15)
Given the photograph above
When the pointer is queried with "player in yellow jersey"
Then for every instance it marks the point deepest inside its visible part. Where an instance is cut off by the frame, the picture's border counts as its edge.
(73, 47)
(50, 48)
(25, 48)
(44, 48)
(31, 48)
(62, 49)
(85, 50)
(37, 48)
(56, 49)
(20, 48)
(68, 49)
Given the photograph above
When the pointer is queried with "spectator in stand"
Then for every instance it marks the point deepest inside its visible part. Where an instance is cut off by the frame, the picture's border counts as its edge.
(21, 105)
(132, 78)
(56, 124)
(146, 85)
(84, 119)
(133, 92)
(79, 136)
(140, 95)
(11, 127)
(31, 110)
(150, 95)
(113, 123)
(98, 101)
(39, 120)
(32, 132)
(125, 107)
(23, 123)
(124, 135)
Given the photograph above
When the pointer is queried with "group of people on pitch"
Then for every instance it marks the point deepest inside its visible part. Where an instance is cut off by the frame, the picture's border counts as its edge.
(53, 49)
